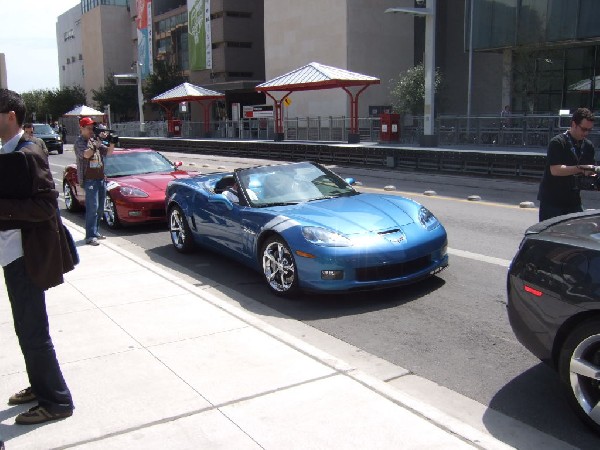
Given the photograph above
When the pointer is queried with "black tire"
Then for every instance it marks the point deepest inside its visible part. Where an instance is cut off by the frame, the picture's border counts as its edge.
(71, 203)
(60, 150)
(111, 217)
(579, 359)
(279, 267)
(179, 230)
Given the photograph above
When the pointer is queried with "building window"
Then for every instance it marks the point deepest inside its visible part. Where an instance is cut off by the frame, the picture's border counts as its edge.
(63, 68)
(240, 74)
(242, 14)
(69, 35)
(80, 57)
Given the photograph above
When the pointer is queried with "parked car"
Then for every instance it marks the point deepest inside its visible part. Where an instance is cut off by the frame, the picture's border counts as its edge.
(305, 228)
(52, 139)
(554, 304)
(136, 182)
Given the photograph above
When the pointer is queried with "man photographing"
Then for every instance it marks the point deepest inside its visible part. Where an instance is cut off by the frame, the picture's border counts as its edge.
(90, 153)
(570, 156)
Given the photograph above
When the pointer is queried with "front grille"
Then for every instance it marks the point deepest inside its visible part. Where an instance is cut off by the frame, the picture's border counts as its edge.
(158, 213)
(392, 271)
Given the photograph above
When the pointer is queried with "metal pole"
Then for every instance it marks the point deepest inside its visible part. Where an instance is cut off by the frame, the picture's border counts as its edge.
(470, 67)
(140, 96)
(429, 113)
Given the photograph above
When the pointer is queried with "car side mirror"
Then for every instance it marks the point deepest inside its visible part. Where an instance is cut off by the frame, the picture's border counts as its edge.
(219, 198)
(350, 181)
(177, 164)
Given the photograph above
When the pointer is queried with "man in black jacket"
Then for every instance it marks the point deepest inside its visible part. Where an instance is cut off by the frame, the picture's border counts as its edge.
(34, 255)
(570, 155)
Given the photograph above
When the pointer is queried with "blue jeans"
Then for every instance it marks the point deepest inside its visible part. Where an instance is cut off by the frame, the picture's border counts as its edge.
(28, 306)
(95, 194)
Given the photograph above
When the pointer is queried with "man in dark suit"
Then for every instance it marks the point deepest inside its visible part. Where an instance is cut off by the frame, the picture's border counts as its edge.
(34, 254)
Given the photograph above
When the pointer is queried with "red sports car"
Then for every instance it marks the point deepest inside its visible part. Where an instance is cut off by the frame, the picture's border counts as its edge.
(136, 182)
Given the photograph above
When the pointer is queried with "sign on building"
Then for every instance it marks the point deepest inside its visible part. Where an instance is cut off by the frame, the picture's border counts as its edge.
(144, 36)
(199, 39)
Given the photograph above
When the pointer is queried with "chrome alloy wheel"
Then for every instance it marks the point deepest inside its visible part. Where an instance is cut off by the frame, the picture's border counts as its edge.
(584, 376)
(279, 267)
(68, 194)
(177, 230)
(110, 213)
(181, 235)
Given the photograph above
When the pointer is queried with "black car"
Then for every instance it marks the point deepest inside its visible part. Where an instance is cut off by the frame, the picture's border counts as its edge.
(52, 139)
(554, 304)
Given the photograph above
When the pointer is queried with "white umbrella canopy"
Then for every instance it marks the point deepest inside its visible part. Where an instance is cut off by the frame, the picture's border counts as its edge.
(83, 110)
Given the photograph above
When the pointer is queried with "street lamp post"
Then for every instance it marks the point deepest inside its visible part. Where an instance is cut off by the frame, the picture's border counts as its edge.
(429, 138)
(138, 69)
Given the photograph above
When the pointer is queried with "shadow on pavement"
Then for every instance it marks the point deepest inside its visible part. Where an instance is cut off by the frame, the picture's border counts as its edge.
(535, 398)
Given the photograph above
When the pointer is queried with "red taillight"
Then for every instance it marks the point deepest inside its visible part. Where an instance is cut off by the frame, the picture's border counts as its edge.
(533, 291)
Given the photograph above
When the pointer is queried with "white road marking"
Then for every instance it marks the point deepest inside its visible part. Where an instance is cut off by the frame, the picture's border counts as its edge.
(479, 257)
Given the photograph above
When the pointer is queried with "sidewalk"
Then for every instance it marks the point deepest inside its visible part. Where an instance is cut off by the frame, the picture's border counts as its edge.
(156, 362)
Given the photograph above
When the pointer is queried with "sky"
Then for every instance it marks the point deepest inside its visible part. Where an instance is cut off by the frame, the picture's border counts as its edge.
(28, 41)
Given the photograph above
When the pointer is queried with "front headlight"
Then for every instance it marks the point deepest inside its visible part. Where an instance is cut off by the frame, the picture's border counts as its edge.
(128, 191)
(323, 236)
(58, 138)
(427, 219)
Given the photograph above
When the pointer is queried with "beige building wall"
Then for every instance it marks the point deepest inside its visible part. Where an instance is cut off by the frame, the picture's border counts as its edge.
(297, 33)
(106, 45)
(380, 45)
(350, 34)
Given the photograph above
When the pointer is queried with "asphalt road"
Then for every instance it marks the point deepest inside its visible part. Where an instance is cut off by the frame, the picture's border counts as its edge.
(451, 329)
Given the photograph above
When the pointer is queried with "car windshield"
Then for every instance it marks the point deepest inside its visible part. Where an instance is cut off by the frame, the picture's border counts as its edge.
(42, 129)
(136, 163)
(291, 183)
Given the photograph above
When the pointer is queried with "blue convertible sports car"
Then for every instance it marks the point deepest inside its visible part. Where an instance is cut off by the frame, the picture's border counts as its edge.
(305, 228)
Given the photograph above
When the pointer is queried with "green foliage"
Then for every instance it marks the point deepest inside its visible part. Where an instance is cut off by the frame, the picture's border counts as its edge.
(165, 76)
(408, 91)
(51, 104)
(122, 99)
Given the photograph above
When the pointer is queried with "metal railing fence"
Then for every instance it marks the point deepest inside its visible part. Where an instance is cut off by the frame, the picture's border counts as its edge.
(513, 131)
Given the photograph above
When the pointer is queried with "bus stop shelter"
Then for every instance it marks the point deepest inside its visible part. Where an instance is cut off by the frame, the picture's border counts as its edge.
(187, 92)
(315, 76)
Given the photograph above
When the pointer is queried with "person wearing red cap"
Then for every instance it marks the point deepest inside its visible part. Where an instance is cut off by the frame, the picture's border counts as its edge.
(90, 153)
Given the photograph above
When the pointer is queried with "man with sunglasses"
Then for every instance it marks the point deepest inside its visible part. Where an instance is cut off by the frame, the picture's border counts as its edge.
(570, 155)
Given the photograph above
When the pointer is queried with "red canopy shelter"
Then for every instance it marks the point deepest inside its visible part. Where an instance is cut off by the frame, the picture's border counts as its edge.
(187, 92)
(316, 76)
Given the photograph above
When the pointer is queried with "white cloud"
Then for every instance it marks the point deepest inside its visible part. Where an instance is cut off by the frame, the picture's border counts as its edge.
(28, 41)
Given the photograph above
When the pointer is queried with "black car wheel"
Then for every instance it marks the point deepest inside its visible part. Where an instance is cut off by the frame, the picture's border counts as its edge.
(579, 369)
(60, 150)
(70, 202)
(279, 267)
(111, 218)
(181, 235)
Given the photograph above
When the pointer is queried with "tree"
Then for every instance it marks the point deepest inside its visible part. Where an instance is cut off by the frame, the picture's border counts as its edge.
(50, 104)
(122, 99)
(408, 91)
(35, 102)
(166, 76)
(61, 101)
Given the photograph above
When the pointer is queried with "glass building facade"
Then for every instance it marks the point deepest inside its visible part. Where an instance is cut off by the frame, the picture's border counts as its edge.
(87, 5)
(555, 47)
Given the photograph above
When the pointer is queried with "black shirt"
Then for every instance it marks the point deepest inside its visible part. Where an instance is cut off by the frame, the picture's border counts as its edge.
(564, 150)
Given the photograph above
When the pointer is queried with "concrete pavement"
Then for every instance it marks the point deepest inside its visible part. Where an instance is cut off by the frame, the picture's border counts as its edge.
(155, 361)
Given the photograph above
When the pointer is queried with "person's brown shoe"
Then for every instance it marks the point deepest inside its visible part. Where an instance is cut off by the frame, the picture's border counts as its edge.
(21, 397)
(39, 414)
